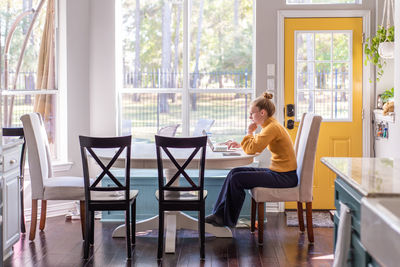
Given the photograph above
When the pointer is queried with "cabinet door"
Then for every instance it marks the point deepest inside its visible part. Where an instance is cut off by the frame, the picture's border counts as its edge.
(11, 218)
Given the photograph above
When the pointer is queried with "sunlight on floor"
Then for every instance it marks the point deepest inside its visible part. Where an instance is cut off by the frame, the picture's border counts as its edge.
(325, 257)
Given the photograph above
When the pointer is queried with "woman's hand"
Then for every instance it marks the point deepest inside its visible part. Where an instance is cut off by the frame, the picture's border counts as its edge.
(252, 127)
(232, 144)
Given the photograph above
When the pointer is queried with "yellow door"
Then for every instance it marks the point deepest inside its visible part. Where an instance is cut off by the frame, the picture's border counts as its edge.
(323, 74)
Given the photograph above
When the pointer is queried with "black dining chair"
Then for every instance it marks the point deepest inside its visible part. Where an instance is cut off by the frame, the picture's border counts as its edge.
(117, 196)
(19, 132)
(182, 197)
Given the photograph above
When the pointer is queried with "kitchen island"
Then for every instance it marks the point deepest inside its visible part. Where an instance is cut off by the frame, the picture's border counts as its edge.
(359, 178)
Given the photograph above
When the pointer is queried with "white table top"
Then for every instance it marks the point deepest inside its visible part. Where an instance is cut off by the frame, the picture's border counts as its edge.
(143, 155)
(372, 177)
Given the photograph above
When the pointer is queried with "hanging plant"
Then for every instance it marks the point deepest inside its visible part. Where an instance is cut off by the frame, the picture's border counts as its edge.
(382, 35)
(381, 46)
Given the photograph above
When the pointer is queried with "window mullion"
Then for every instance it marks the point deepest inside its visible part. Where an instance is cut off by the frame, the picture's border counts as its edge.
(185, 88)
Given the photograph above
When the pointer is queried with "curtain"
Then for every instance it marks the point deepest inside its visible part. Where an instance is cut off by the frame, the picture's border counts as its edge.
(44, 104)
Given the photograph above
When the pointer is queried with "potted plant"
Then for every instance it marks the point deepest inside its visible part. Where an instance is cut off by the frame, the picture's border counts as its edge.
(387, 95)
(382, 41)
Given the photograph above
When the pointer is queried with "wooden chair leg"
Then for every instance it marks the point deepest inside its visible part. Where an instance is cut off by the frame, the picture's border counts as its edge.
(133, 222)
(43, 215)
(91, 240)
(202, 231)
(310, 231)
(300, 215)
(160, 234)
(260, 225)
(128, 232)
(83, 215)
(87, 234)
(33, 219)
(253, 215)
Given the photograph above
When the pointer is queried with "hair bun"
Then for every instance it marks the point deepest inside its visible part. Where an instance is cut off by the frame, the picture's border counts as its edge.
(268, 95)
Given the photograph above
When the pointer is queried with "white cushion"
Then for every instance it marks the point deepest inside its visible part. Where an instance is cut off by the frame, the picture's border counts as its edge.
(182, 196)
(115, 195)
(262, 194)
(64, 188)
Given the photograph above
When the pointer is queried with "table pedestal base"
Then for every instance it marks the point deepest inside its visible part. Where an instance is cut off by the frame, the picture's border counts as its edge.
(174, 220)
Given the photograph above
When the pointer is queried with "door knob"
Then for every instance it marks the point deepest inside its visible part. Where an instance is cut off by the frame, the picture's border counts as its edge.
(290, 124)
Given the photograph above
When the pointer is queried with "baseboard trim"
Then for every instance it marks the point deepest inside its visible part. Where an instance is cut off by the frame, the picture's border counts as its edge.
(53, 210)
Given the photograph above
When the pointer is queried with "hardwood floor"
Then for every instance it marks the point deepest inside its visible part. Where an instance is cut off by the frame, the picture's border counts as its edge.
(61, 245)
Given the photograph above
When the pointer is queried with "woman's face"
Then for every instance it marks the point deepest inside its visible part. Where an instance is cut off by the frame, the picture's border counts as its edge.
(257, 115)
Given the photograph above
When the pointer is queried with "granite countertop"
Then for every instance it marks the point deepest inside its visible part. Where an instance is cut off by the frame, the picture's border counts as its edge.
(372, 177)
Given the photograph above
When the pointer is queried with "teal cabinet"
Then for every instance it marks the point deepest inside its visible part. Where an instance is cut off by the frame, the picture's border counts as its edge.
(145, 180)
(358, 256)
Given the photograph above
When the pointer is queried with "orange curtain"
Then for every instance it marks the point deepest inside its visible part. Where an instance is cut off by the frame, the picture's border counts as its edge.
(46, 72)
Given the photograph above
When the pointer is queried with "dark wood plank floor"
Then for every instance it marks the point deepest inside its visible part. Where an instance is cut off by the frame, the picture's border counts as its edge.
(61, 245)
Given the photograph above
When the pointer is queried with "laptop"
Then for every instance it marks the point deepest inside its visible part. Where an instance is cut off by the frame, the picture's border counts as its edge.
(218, 147)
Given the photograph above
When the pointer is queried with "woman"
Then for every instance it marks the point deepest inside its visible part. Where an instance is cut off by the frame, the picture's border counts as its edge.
(281, 172)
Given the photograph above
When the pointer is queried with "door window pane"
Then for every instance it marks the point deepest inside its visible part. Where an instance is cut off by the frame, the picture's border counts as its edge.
(317, 80)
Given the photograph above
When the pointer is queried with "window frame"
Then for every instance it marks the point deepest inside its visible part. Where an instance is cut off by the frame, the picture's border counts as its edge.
(186, 89)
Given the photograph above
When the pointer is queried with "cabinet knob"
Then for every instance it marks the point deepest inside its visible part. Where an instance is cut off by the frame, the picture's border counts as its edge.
(13, 161)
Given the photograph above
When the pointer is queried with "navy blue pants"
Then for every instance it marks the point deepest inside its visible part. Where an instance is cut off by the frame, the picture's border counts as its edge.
(232, 195)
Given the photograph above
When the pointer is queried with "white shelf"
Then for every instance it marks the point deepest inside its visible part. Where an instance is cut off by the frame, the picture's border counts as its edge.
(380, 117)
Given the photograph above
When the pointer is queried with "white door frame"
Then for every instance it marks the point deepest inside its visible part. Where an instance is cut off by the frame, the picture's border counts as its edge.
(366, 103)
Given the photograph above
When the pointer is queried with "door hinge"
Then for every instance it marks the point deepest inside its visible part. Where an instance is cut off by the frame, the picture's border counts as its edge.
(363, 38)
(362, 114)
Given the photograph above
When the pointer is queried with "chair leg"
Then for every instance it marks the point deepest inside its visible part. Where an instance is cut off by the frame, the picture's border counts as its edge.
(82, 214)
(133, 222)
(202, 231)
(91, 240)
(128, 232)
(310, 231)
(33, 219)
(261, 211)
(23, 229)
(87, 234)
(253, 215)
(43, 215)
(300, 215)
(160, 234)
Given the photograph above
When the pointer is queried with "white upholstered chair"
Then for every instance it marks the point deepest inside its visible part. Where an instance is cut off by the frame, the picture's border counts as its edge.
(43, 184)
(305, 148)
(169, 130)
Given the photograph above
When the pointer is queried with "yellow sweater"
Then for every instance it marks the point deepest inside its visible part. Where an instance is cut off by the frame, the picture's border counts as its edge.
(275, 137)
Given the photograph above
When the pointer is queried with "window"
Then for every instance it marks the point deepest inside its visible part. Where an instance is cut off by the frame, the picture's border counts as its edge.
(304, 2)
(164, 83)
(324, 74)
(20, 82)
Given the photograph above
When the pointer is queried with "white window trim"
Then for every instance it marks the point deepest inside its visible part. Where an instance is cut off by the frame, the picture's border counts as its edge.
(357, 2)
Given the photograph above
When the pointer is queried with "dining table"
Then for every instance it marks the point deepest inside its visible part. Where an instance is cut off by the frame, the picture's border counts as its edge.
(143, 156)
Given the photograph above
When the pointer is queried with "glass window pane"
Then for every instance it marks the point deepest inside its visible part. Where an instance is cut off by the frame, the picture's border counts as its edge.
(305, 103)
(221, 44)
(152, 50)
(323, 76)
(143, 114)
(305, 74)
(341, 76)
(229, 110)
(341, 46)
(323, 104)
(305, 46)
(341, 106)
(323, 46)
